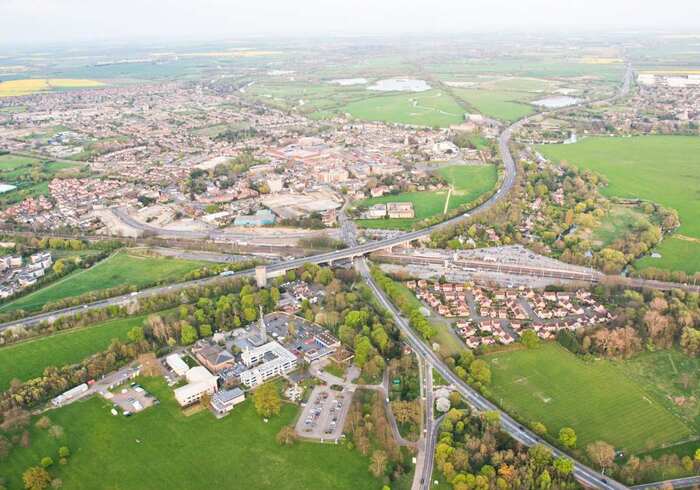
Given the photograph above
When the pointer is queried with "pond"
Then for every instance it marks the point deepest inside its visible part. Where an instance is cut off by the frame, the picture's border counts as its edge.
(556, 102)
(400, 85)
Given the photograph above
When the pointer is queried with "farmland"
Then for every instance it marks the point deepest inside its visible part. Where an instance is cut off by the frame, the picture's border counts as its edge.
(185, 452)
(468, 182)
(13, 88)
(499, 104)
(118, 270)
(536, 385)
(431, 108)
(662, 169)
(28, 359)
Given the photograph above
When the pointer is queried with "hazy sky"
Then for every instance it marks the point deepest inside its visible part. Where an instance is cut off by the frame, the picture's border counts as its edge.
(39, 21)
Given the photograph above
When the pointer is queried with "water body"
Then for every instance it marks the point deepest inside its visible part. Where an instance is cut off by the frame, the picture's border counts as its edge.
(400, 85)
(556, 102)
(349, 81)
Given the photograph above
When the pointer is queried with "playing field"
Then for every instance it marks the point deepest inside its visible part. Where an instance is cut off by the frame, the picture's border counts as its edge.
(468, 183)
(432, 108)
(117, 270)
(28, 359)
(596, 399)
(499, 104)
(13, 88)
(662, 169)
(161, 448)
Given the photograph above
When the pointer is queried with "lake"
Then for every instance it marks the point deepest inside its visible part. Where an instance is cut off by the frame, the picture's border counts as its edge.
(400, 85)
(556, 102)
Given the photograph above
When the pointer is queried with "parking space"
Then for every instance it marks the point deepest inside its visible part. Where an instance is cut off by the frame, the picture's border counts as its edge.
(324, 415)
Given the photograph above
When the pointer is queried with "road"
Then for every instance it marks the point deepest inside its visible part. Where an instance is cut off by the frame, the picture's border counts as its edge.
(584, 474)
(677, 483)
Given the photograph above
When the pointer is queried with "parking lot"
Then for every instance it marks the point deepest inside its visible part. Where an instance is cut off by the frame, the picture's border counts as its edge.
(131, 399)
(324, 415)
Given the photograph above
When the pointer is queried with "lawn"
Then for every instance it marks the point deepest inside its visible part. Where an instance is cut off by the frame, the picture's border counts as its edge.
(27, 360)
(117, 270)
(662, 169)
(161, 448)
(499, 104)
(596, 399)
(468, 182)
(432, 108)
(678, 253)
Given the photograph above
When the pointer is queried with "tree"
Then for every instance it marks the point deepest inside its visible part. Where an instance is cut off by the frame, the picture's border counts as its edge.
(64, 451)
(188, 334)
(36, 478)
(205, 330)
(567, 436)
(43, 423)
(539, 428)
(529, 339)
(378, 463)
(480, 371)
(46, 461)
(602, 453)
(286, 436)
(267, 400)
(136, 334)
(56, 431)
(564, 466)
(363, 348)
(59, 266)
(544, 482)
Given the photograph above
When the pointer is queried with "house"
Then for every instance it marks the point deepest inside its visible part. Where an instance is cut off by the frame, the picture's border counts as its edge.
(400, 210)
(376, 211)
(214, 358)
(199, 382)
(223, 401)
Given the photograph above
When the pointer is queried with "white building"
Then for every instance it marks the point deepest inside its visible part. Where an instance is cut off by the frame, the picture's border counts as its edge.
(69, 395)
(199, 382)
(270, 360)
(176, 363)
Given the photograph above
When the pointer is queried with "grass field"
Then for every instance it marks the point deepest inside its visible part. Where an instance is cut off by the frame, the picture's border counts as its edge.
(27, 360)
(468, 182)
(619, 221)
(161, 448)
(431, 108)
(662, 169)
(499, 104)
(117, 270)
(597, 399)
(13, 88)
(677, 254)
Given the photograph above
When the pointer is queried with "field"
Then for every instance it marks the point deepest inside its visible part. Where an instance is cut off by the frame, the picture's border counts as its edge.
(27, 360)
(499, 104)
(678, 253)
(662, 169)
(619, 221)
(596, 399)
(161, 448)
(431, 108)
(468, 181)
(117, 270)
(14, 88)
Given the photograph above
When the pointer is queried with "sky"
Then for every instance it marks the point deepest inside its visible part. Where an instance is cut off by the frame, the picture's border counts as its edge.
(69, 21)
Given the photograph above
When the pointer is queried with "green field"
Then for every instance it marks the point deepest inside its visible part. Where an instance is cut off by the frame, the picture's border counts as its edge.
(662, 169)
(596, 399)
(677, 254)
(431, 108)
(468, 182)
(499, 104)
(117, 270)
(27, 360)
(162, 448)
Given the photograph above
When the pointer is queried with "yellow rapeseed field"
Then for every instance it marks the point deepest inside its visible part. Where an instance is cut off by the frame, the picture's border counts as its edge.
(27, 86)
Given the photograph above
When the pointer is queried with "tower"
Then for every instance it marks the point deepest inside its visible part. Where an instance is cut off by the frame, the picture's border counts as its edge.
(262, 326)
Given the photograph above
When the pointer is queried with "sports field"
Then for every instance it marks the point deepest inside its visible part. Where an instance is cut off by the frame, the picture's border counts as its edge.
(596, 399)
(662, 169)
(432, 108)
(468, 183)
(117, 270)
(28, 359)
(13, 88)
(161, 448)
